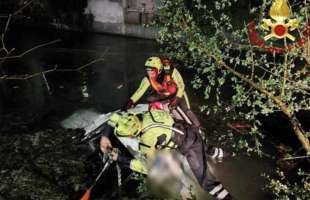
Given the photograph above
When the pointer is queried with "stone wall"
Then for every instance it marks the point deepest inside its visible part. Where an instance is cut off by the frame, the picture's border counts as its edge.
(126, 17)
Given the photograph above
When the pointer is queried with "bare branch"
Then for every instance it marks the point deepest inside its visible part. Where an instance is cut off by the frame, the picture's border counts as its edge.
(14, 14)
(306, 53)
(7, 24)
(22, 8)
(55, 69)
(27, 76)
(9, 17)
(285, 74)
(30, 50)
(88, 64)
(295, 158)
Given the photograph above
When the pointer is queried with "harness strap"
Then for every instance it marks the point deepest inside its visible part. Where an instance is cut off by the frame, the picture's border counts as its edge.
(145, 145)
(170, 144)
(119, 175)
(162, 126)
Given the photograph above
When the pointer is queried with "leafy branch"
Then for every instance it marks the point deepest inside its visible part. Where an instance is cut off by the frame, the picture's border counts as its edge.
(202, 37)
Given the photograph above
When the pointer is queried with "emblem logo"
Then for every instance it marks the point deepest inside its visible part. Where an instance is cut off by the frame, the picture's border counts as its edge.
(280, 13)
(279, 26)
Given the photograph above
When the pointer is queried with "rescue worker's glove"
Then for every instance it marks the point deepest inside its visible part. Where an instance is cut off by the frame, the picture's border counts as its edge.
(128, 105)
(125, 161)
(174, 102)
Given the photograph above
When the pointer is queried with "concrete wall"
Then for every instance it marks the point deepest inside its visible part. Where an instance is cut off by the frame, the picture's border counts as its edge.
(126, 17)
(106, 11)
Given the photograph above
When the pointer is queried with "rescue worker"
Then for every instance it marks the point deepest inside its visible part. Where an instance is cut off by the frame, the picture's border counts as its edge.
(157, 131)
(166, 84)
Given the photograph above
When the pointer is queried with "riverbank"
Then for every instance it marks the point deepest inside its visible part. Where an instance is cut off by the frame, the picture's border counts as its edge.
(33, 110)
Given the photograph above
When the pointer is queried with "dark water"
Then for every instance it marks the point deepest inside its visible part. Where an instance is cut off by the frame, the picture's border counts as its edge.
(109, 84)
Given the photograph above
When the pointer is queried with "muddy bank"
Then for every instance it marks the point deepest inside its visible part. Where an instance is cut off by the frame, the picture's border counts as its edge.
(42, 165)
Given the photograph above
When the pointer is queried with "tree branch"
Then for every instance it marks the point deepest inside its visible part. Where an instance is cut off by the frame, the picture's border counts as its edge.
(55, 69)
(30, 50)
(278, 101)
(295, 158)
(22, 8)
(284, 71)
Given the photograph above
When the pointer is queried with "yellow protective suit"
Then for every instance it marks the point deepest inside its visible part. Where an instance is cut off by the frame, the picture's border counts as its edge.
(145, 85)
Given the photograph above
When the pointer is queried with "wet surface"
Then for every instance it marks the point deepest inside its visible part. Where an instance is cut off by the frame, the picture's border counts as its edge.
(107, 84)
(242, 176)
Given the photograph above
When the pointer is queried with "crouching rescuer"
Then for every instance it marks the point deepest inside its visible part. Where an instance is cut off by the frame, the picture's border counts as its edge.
(163, 83)
(157, 133)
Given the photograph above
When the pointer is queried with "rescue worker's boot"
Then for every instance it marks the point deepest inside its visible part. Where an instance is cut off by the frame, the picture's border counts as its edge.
(219, 192)
(194, 148)
(216, 154)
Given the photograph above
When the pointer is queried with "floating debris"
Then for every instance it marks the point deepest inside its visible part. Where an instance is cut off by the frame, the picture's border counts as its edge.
(120, 86)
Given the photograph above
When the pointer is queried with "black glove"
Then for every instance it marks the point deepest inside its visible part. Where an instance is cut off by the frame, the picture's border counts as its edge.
(124, 160)
(175, 102)
(128, 105)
